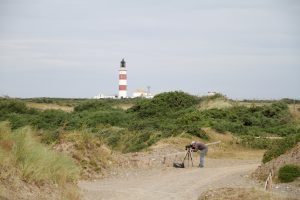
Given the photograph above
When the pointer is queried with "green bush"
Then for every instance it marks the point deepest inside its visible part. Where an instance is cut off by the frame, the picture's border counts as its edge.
(12, 106)
(92, 105)
(50, 119)
(288, 173)
(43, 100)
(196, 130)
(280, 146)
(164, 103)
(169, 113)
(18, 120)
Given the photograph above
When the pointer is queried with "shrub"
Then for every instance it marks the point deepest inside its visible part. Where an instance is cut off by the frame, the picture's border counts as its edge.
(288, 173)
(50, 119)
(196, 130)
(12, 106)
(279, 147)
(42, 100)
(18, 120)
(164, 103)
(92, 105)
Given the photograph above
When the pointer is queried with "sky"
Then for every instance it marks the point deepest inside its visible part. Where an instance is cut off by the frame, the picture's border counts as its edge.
(73, 48)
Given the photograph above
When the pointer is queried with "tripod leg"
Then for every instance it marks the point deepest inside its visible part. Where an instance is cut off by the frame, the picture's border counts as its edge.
(192, 160)
(185, 157)
(189, 159)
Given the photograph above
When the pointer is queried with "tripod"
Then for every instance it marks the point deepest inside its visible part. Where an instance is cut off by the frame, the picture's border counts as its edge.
(189, 157)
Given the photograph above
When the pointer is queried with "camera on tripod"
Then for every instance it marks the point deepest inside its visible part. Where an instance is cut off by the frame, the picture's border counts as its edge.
(187, 156)
(188, 147)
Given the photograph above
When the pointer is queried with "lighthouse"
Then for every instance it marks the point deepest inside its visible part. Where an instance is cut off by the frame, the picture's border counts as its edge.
(123, 80)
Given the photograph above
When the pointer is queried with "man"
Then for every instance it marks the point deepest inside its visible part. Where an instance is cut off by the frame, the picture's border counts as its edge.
(203, 151)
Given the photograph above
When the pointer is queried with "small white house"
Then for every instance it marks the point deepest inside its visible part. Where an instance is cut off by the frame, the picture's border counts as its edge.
(102, 96)
(141, 93)
(211, 93)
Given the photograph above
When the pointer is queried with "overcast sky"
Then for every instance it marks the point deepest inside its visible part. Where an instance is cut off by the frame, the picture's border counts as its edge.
(73, 48)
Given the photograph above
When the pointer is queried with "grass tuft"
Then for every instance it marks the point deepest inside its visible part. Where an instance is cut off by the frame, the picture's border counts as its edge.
(35, 162)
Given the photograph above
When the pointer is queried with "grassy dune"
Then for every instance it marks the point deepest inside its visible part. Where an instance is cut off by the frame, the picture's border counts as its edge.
(24, 160)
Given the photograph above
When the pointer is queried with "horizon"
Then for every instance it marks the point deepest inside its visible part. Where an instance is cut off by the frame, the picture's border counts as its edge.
(72, 49)
(131, 97)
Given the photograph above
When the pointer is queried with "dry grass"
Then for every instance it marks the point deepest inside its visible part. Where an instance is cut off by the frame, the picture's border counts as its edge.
(35, 162)
(226, 151)
(295, 113)
(89, 152)
(49, 106)
(218, 103)
(29, 168)
(249, 104)
(228, 148)
(240, 193)
(123, 106)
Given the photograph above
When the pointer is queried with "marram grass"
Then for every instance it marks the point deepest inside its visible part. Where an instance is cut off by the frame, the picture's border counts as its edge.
(35, 162)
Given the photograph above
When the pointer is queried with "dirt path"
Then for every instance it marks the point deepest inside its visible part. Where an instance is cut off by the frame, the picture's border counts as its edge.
(171, 183)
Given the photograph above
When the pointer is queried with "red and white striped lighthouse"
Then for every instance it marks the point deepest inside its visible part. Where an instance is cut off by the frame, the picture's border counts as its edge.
(123, 80)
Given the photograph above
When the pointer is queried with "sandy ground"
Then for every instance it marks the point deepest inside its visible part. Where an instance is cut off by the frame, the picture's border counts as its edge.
(170, 183)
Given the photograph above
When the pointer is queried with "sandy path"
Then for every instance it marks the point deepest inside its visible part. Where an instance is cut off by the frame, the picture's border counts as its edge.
(171, 183)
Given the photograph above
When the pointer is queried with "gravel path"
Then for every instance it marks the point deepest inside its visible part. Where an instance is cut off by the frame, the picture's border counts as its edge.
(171, 183)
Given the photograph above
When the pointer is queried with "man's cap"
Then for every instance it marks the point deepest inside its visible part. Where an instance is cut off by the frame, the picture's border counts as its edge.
(193, 142)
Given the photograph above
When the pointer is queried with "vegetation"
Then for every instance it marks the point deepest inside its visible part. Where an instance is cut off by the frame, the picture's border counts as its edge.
(21, 153)
(279, 147)
(149, 120)
(288, 173)
(253, 142)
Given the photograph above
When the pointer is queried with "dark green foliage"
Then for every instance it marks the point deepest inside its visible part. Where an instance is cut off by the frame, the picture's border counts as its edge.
(113, 117)
(272, 119)
(92, 106)
(290, 101)
(164, 104)
(196, 130)
(16, 112)
(50, 119)
(279, 147)
(12, 106)
(288, 173)
(18, 120)
(43, 100)
(167, 114)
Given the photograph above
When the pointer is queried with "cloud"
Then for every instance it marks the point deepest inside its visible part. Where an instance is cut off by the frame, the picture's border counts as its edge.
(168, 45)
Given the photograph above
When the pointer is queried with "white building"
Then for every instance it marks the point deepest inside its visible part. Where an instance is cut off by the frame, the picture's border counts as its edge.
(141, 93)
(102, 96)
(211, 93)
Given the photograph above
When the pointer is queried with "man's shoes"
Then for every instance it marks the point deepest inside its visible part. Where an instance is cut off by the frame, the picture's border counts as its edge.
(201, 166)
